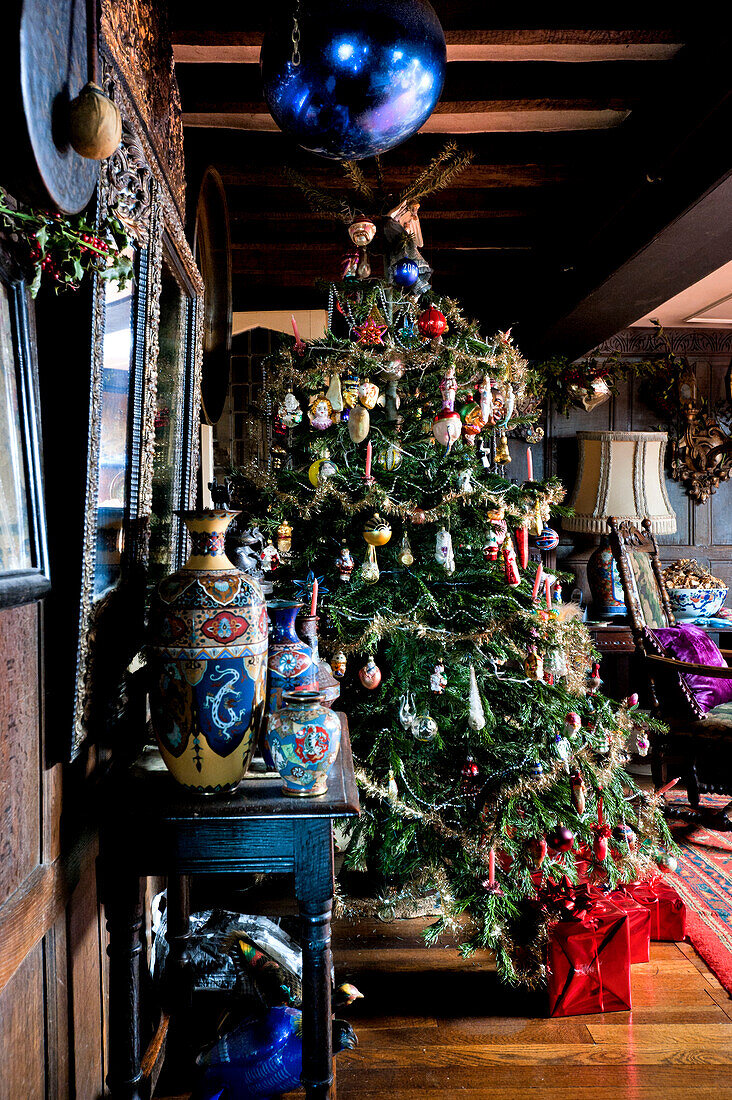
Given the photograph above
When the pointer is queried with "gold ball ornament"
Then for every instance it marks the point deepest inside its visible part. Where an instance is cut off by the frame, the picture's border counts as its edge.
(95, 124)
(390, 458)
(377, 531)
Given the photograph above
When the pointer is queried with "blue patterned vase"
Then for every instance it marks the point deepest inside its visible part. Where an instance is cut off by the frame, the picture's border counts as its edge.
(606, 587)
(208, 660)
(303, 739)
(292, 665)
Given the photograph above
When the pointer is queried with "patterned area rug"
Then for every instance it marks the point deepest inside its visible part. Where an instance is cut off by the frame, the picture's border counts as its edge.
(704, 881)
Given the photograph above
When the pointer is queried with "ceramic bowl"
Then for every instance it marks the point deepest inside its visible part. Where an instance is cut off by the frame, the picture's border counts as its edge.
(690, 604)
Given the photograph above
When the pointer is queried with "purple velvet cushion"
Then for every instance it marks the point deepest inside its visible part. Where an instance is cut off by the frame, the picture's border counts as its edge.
(691, 643)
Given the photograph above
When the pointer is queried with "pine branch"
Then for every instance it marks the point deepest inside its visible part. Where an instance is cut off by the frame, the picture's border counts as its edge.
(321, 202)
(448, 163)
(357, 179)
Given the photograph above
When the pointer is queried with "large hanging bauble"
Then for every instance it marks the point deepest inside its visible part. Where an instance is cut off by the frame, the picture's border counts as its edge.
(370, 674)
(369, 74)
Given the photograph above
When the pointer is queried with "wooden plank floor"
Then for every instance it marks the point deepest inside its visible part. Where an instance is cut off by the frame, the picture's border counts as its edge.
(433, 1024)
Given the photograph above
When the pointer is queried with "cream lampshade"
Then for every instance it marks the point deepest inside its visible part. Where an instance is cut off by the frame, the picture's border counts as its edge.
(620, 474)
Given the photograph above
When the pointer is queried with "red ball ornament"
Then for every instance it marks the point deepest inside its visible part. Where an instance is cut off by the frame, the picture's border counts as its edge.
(432, 323)
(419, 516)
(370, 674)
(561, 839)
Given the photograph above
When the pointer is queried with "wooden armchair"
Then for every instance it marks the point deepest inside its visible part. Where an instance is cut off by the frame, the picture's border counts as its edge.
(698, 745)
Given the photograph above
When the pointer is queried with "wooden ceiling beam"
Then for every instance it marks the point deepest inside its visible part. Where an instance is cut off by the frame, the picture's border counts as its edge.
(196, 45)
(477, 97)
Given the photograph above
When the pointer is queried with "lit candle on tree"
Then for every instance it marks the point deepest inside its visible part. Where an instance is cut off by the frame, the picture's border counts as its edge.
(537, 582)
(529, 465)
(314, 598)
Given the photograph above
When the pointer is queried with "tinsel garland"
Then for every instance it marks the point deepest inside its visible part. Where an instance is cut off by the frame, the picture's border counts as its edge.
(378, 498)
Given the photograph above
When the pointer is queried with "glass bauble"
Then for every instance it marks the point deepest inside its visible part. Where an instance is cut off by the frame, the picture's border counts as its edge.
(369, 75)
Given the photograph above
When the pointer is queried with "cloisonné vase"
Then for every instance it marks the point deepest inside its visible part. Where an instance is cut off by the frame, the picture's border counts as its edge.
(303, 739)
(292, 664)
(208, 659)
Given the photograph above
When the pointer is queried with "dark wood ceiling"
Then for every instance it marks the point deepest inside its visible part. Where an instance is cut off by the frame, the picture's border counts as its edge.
(588, 144)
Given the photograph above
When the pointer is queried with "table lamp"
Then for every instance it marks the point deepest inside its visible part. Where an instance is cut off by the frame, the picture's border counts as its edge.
(620, 474)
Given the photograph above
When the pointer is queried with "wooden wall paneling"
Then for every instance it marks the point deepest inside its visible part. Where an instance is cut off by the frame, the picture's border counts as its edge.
(20, 832)
(22, 1039)
(56, 1004)
(85, 987)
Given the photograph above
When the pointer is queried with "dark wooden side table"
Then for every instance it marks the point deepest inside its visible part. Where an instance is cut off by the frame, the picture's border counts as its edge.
(152, 826)
(617, 649)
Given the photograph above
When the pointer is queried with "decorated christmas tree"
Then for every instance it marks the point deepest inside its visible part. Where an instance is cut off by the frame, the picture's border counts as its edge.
(488, 760)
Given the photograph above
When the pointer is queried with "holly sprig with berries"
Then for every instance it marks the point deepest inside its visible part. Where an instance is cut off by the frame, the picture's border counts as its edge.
(60, 250)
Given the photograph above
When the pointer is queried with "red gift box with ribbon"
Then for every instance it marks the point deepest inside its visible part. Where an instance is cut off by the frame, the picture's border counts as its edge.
(668, 912)
(588, 960)
(639, 919)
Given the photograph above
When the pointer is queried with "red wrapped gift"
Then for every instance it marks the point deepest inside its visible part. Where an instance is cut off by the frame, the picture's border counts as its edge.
(639, 921)
(588, 961)
(668, 912)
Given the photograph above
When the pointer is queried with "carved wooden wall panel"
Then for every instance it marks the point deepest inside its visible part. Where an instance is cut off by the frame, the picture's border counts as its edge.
(19, 747)
(22, 1038)
(136, 36)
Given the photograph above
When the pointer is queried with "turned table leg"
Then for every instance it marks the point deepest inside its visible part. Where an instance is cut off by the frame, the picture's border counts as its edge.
(178, 985)
(314, 889)
(124, 920)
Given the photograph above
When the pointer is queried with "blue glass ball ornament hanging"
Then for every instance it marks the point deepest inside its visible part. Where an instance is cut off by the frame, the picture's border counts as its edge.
(369, 75)
(405, 273)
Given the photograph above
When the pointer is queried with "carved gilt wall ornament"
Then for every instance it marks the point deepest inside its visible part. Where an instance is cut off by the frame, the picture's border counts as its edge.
(701, 453)
(702, 457)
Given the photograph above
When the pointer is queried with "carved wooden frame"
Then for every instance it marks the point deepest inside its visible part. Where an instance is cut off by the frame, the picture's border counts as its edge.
(625, 535)
(133, 182)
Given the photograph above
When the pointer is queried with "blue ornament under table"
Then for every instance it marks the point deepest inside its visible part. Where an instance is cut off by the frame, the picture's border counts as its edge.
(368, 75)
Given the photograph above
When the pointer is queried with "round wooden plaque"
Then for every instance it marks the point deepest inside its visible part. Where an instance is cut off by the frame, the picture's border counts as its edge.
(45, 67)
(212, 251)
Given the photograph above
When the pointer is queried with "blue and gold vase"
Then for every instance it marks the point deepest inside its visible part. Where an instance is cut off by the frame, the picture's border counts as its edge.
(208, 660)
(303, 739)
(292, 664)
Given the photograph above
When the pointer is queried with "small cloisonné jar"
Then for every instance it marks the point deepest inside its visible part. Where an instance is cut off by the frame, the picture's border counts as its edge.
(303, 739)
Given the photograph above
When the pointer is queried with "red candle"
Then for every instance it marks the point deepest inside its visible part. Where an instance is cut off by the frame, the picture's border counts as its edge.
(367, 474)
(298, 342)
(314, 598)
(491, 866)
(529, 465)
(548, 593)
(537, 582)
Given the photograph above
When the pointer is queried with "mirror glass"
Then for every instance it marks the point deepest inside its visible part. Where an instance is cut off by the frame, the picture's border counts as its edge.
(16, 551)
(118, 350)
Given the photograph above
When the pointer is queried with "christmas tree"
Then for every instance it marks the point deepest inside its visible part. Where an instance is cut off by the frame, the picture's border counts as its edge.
(487, 758)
